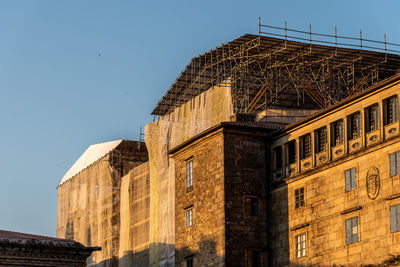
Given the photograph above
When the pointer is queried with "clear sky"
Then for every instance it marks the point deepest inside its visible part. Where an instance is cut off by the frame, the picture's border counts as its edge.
(75, 73)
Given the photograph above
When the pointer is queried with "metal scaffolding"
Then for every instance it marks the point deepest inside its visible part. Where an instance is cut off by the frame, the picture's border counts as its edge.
(299, 69)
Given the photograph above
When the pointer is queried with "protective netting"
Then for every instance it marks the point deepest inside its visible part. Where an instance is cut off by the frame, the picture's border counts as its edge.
(134, 218)
(193, 117)
(89, 205)
(88, 210)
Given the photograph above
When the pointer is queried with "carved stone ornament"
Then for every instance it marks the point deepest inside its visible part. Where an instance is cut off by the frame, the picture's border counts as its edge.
(373, 183)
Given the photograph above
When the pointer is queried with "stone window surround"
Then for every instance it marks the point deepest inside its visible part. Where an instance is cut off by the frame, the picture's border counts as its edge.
(351, 183)
(299, 197)
(346, 138)
(189, 174)
(249, 213)
(300, 243)
(189, 216)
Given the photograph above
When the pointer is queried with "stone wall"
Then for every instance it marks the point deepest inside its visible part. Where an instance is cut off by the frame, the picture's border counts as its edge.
(244, 176)
(204, 241)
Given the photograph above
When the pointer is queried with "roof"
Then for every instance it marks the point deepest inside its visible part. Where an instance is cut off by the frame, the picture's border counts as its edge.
(92, 154)
(387, 81)
(219, 64)
(268, 127)
(9, 238)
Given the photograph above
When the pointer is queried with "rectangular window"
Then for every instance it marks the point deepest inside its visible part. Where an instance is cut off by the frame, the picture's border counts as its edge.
(251, 206)
(291, 152)
(305, 146)
(394, 163)
(350, 179)
(372, 118)
(321, 141)
(391, 110)
(395, 218)
(299, 197)
(278, 157)
(354, 126)
(189, 176)
(253, 258)
(300, 245)
(189, 263)
(189, 217)
(352, 230)
(338, 133)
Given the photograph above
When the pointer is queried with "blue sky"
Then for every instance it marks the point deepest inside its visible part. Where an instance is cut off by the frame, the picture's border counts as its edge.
(75, 73)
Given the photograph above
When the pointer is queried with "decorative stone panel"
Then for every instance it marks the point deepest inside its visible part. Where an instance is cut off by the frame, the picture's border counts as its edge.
(305, 164)
(321, 158)
(337, 151)
(392, 130)
(355, 144)
(291, 169)
(373, 137)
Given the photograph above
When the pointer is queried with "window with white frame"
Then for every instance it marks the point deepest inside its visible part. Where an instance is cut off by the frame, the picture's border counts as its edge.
(189, 176)
(337, 133)
(395, 218)
(189, 217)
(351, 179)
(301, 243)
(305, 146)
(321, 140)
(354, 125)
(352, 230)
(372, 118)
(394, 163)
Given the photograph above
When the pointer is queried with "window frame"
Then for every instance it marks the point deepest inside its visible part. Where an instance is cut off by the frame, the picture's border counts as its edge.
(372, 118)
(337, 132)
(189, 175)
(352, 180)
(387, 107)
(321, 140)
(351, 122)
(299, 201)
(394, 170)
(258, 257)
(190, 259)
(305, 153)
(290, 152)
(353, 222)
(302, 249)
(249, 212)
(278, 153)
(189, 217)
(396, 227)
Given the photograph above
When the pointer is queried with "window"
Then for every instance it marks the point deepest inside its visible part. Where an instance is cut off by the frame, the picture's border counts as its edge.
(391, 110)
(350, 179)
(291, 152)
(305, 146)
(372, 118)
(395, 218)
(251, 206)
(394, 163)
(321, 142)
(299, 197)
(354, 126)
(189, 262)
(300, 245)
(189, 217)
(253, 258)
(352, 230)
(189, 176)
(278, 157)
(338, 133)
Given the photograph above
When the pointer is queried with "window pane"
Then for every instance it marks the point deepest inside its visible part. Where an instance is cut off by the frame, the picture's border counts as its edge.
(347, 180)
(348, 231)
(353, 178)
(392, 164)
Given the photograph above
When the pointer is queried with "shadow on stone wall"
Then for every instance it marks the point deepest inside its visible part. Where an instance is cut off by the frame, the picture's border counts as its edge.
(206, 248)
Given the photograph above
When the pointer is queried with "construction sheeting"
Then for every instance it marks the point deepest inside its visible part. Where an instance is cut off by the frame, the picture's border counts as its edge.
(135, 218)
(86, 207)
(200, 113)
(91, 155)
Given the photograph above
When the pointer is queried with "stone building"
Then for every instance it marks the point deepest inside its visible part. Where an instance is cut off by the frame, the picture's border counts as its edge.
(20, 249)
(265, 152)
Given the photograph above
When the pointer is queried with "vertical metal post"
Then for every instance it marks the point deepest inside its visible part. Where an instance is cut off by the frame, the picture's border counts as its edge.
(259, 25)
(310, 37)
(361, 41)
(335, 41)
(385, 49)
(285, 34)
